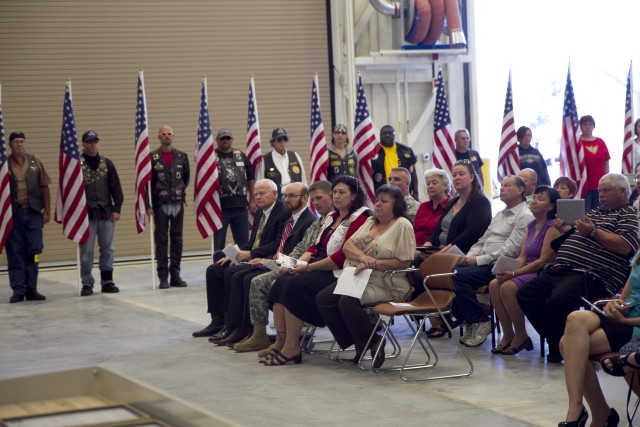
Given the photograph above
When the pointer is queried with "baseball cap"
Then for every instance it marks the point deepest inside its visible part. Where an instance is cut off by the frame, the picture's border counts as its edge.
(17, 134)
(279, 133)
(90, 136)
(224, 132)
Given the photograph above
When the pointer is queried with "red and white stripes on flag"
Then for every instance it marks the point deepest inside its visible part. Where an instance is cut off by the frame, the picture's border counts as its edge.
(143, 156)
(207, 199)
(318, 150)
(444, 150)
(508, 158)
(571, 150)
(629, 161)
(6, 214)
(71, 205)
(365, 143)
(254, 149)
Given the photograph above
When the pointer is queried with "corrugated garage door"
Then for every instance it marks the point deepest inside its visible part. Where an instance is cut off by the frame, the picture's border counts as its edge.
(101, 45)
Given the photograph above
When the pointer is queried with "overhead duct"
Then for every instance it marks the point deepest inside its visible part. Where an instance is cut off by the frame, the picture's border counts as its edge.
(424, 20)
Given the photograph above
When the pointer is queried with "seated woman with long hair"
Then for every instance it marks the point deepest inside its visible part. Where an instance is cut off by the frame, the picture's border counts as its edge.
(293, 294)
(385, 242)
(536, 250)
(587, 334)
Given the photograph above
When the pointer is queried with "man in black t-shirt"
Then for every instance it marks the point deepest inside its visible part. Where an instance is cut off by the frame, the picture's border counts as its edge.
(462, 138)
(236, 182)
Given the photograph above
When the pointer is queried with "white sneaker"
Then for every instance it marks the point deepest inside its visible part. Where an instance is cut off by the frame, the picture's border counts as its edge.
(469, 332)
(481, 332)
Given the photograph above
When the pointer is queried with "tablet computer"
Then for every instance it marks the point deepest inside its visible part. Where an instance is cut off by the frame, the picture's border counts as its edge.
(570, 210)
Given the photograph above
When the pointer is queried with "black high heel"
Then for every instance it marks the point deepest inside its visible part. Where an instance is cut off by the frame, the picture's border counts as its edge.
(580, 422)
(527, 345)
(281, 360)
(613, 419)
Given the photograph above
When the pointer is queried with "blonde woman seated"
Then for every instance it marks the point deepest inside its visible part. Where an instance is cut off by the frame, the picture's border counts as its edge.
(587, 334)
(535, 251)
(385, 242)
(293, 294)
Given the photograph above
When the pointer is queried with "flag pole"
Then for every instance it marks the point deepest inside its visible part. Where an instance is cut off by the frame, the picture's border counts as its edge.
(151, 239)
(78, 276)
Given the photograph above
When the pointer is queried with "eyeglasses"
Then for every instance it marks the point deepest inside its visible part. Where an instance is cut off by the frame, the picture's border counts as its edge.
(340, 132)
(167, 134)
(225, 138)
(291, 196)
(282, 139)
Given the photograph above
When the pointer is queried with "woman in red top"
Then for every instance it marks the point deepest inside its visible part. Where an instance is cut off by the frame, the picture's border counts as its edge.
(596, 161)
(438, 185)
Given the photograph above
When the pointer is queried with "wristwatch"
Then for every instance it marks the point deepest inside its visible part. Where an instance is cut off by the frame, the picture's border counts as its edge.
(594, 232)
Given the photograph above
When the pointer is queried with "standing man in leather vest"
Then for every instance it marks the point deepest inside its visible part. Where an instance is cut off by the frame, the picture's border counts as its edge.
(392, 155)
(236, 182)
(30, 202)
(281, 165)
(104, 200)
(169, 180)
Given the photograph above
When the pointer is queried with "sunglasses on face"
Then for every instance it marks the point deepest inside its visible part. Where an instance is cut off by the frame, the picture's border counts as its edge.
(282, 139)
(225, 138)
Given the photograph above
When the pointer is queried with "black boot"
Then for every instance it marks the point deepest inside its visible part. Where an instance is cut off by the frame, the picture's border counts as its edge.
(177, 281)
(106, 279)
(216, 325)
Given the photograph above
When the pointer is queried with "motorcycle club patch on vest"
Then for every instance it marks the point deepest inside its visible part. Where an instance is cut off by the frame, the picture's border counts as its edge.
(271, 173)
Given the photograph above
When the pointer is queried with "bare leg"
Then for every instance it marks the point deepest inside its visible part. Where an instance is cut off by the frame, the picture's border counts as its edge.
(501, 311)
(576, 345)
(280, 324)
(292, 342)
(593, 393)
(509, 293)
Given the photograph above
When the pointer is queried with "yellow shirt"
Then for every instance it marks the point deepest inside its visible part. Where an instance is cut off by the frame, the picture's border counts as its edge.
(390, 159)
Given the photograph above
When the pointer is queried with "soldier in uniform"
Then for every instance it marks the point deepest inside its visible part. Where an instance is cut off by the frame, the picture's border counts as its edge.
(169, 180)
(30, 202)
(342, 159)
(281, 166)
(236, 182)
(104, 200)
(392, 155)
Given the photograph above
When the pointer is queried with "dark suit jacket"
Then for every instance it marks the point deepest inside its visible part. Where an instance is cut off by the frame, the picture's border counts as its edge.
(271, 233)
(299, 230)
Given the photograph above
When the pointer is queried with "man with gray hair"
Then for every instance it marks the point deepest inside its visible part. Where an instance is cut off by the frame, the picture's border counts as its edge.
(603, 243)
(401, 178)
(530, 178)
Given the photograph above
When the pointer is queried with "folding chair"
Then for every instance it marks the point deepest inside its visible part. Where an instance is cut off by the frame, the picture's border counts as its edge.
(437, 300)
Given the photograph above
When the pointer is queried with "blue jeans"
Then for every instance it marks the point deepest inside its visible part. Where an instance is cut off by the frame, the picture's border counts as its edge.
(23, 244)
(465, 305)
(591, 200)
(104, 230)
(238, 218)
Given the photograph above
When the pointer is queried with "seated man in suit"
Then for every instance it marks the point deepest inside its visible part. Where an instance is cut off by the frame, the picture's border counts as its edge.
(296, 197)
(606, 238)
(269, 222)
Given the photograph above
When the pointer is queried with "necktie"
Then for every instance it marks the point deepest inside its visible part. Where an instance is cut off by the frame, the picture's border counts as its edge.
(256, 242)
(285, 235)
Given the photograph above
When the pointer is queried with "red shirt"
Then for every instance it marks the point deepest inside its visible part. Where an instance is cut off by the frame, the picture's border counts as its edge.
(595, 158)
(168, 157)
(426, 220)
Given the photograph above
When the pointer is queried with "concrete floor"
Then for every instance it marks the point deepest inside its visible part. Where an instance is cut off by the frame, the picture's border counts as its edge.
(146, 335)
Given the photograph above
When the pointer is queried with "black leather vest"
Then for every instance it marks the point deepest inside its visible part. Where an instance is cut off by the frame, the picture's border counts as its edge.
(340, 166)
(237, 187)
(32, 178)
(271, 171)
(168, 183)
(96, 184)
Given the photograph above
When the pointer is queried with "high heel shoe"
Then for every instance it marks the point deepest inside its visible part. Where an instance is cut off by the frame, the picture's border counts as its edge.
(580, 422)
(281, 360)
(378, 360)
(613, 419)
(499, 349)
(273, 353)
(527, 345)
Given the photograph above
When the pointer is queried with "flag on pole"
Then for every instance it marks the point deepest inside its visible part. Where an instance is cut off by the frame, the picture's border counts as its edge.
(365, 143)
(143, 156)
(319, 155)
(629, 161)
(571, 150)
(508, 158)
(6, 214)
(71, 205)
(254, 150)
(444, 150)
(207, 199)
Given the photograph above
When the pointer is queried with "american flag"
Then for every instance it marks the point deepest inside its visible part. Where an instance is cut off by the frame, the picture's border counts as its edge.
(254, 150)
(508, 158)
(143, 156)
(319, 155)
(365, 143)
(444, 150)
(571, 151)
(71, 205)
(6, 215)
(628, 160)
(207, 199)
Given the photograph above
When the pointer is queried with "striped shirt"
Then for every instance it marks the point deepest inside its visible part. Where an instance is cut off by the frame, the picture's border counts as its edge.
(584, 252)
